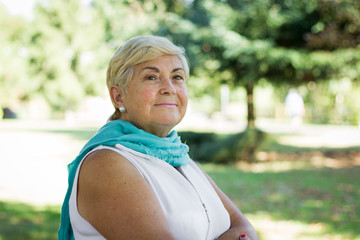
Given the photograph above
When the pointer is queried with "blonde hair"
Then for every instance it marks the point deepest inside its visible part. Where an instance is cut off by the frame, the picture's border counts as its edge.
(138, 50)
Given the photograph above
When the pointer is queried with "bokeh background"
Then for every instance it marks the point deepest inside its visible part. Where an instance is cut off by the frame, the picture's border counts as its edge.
(292, 167)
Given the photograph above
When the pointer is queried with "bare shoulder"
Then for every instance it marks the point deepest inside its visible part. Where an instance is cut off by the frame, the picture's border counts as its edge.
(115, 198)
(105, 176)
(103, 162)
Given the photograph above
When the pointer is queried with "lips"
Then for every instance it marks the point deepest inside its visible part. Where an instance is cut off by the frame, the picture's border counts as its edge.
(169, 105)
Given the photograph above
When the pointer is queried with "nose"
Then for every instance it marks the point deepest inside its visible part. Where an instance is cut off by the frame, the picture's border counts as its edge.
(167, 87)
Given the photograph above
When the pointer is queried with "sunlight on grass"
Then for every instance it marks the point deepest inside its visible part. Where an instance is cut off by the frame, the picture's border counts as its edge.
(294, 201)
(325, 139)
(269, 228)
(277, 166)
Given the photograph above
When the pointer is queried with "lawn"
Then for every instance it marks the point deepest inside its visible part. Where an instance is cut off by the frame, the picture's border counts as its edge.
(293, 193)
(20, 221)
(308, 203)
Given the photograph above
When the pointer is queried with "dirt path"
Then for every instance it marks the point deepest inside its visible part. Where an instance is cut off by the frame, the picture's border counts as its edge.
(33, 163)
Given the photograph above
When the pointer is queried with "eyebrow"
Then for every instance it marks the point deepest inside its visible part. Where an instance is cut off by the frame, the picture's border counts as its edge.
(158, 70)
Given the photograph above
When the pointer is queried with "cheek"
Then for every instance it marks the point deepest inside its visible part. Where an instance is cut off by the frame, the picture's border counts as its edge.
(139, 98)
(143, 99)
(147, 95)
(182, 93)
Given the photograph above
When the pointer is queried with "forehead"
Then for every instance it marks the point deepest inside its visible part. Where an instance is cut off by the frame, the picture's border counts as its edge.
(166, 61)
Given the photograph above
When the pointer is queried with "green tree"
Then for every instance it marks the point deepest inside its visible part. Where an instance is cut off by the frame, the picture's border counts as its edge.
(275, 40)
(13, 53)
(66, 53)
(124, 19)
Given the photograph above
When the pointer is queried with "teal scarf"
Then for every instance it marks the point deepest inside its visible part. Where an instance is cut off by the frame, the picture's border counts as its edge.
(169, 149)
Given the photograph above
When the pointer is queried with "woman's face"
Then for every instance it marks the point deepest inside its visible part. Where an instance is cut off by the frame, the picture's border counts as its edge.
(156, 98)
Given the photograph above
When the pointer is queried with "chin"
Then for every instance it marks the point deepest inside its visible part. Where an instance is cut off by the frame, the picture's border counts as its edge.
(169, 122)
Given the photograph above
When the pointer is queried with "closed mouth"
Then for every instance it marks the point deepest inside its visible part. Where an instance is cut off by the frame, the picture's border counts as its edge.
(170, 105)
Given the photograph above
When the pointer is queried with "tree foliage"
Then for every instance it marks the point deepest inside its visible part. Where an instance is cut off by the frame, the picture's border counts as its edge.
(13, 79)
(281, 41)
(61, 55)
(65, 51)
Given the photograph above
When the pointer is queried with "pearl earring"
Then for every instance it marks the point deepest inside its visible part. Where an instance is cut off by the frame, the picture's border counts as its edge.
(122, 109)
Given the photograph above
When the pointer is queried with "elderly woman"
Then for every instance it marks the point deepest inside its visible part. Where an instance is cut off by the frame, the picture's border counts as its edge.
(134, 178)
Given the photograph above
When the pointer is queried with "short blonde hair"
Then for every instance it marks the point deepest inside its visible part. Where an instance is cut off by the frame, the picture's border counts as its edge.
(138, 50)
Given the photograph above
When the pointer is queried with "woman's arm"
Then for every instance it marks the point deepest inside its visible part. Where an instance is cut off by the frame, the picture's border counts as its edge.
(239, 224)
(116, 200)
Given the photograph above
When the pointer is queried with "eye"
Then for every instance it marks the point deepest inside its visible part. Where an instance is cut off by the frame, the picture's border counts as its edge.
(150, 77)
(178, 77)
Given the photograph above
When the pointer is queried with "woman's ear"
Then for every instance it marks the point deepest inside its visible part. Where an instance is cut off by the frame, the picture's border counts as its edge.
(116, 95)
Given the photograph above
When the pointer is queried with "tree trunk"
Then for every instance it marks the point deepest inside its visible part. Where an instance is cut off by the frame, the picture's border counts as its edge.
(250, 105)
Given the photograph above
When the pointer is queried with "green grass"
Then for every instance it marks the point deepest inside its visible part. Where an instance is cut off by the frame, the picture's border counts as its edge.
(273, 144)
(312, 203)
(19, 221)
(311, 196)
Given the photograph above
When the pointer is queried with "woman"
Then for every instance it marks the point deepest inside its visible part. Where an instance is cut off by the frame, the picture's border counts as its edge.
(134, 178)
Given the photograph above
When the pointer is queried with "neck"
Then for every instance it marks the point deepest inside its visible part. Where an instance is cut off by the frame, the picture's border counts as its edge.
(158, 131)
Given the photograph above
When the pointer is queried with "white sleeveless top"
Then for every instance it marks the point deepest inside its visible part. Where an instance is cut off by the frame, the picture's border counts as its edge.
(191, 206)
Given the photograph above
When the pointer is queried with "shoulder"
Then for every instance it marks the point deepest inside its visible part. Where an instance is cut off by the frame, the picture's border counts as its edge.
(105, 165)
(115, 198)
(102, 158)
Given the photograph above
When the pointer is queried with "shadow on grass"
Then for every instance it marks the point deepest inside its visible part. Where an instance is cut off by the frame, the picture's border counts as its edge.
(316, 195)
(20, 221)
(343, 156)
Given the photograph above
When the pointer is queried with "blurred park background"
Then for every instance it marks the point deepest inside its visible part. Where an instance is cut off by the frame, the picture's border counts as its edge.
(294, 178)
